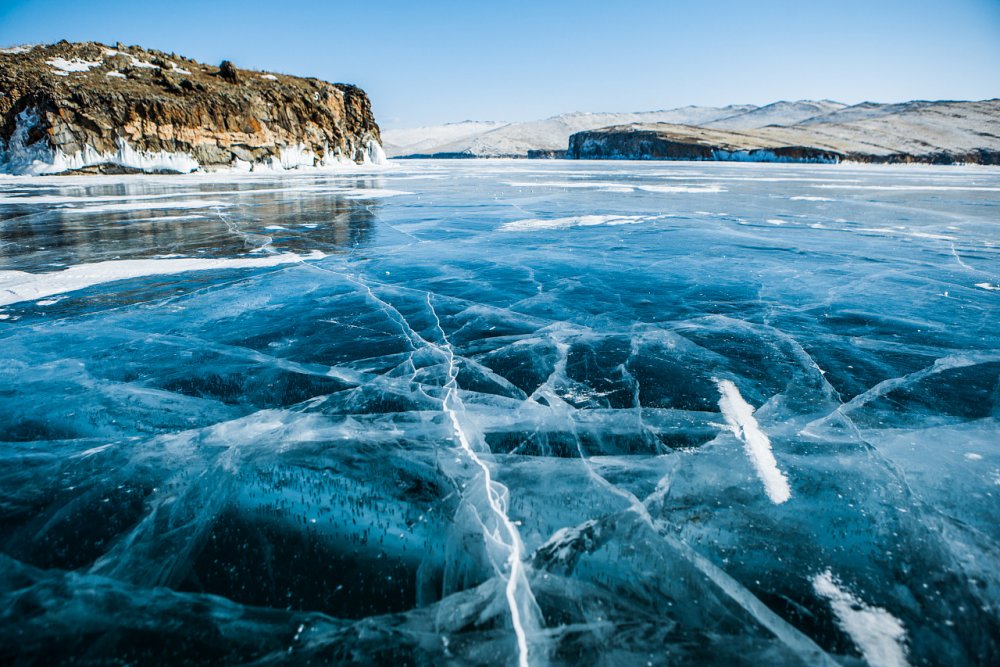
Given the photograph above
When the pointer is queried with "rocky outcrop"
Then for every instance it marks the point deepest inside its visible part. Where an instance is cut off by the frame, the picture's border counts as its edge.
(925, 132)
(683, 142)
(88, 107)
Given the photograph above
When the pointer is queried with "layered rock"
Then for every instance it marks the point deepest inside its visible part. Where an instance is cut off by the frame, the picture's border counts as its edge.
(89, 107)
(663, 141)
(926, 132)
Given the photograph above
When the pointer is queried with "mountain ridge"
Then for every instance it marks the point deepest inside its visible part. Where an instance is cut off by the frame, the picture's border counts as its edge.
(945, 132)
(916, 130)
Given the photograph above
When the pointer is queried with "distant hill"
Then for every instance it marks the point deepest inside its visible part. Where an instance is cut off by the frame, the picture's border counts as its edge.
(778, 113)
(933, 132)
(493, 139)
(916, 131)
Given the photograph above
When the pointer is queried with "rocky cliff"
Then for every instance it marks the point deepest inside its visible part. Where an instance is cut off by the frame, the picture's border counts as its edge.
(88, 107)
(664, 141)
(928, 132)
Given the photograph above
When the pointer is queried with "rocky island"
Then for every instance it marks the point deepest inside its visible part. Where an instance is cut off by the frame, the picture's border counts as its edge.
(92, 108)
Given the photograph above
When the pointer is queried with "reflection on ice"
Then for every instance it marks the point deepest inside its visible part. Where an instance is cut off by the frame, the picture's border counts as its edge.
(495, 422)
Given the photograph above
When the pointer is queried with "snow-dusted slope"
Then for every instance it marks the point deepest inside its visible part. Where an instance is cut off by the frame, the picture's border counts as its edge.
(867, 110)
(937, 132)
(778, 113)
(516, 139)
(417, 140)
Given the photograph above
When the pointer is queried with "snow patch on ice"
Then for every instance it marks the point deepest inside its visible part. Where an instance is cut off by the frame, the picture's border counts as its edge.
(611, 186)
(147, 205)
(902, 231)
(810, 199)
(599, 185)
(532, 224)
(879, 635)
(908, 188)
(18, 286)
(681, 188)
(739, 417)
(373, 193)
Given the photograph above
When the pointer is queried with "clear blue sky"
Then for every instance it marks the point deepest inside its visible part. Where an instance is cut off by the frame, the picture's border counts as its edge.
(433, 61)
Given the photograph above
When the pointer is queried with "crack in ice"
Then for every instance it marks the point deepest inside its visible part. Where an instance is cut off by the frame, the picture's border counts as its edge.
(495, 494)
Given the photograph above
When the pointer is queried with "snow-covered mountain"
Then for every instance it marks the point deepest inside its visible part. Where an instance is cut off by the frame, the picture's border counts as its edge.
(427, 139)
(490, 139)
(778, 113)
(935, 132)
(917, 130)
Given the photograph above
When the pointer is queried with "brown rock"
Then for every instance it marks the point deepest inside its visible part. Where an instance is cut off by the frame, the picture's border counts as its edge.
(177, 106)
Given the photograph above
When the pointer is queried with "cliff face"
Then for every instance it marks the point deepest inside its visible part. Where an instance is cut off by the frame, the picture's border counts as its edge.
(684, 142)
(928, 132)
(89, 107)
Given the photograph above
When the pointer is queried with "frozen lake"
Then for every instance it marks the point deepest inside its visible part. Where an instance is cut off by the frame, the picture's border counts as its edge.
(478, 412)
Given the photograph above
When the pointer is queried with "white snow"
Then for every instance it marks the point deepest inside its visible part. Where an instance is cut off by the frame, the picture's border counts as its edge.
(269, 77)
(18, 286)
(681, 188)
(908, 188)
(879, 635)
(372, 193)
(64, 67)
(739, 417)
(116, 75)
(135, 62)
(147, 205)
(777, 113)
(533, 224)
(600, 185)
(425, 139)
(14, 50)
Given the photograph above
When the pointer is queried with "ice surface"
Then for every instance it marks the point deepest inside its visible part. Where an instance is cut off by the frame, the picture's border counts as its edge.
(502, 412)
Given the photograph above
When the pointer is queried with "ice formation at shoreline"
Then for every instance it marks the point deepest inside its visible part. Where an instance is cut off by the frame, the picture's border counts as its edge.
(18, 157)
